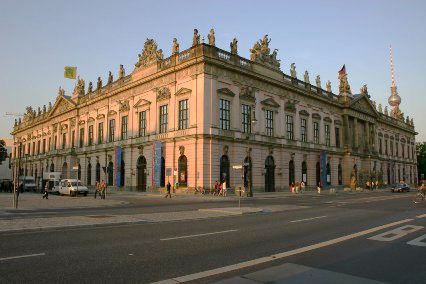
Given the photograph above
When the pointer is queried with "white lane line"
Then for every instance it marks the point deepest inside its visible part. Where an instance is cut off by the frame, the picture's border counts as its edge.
(21, 256)
(421, 216)
(198, 235)
(307, 219)
(241, 265)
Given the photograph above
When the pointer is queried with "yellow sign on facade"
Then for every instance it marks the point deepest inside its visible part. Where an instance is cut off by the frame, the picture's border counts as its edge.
(70, 72)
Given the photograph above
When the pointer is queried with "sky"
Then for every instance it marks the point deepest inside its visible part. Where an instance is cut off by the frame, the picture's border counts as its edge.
(39, 38)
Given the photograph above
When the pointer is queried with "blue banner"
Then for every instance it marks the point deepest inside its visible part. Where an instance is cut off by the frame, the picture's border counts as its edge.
(117, 172)
(156, 163)
(323, 169)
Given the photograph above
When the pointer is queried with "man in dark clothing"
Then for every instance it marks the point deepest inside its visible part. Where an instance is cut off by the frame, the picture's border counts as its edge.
(46, 191)
(169, 186)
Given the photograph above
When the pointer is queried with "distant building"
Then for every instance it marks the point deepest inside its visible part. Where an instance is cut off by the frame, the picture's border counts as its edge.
(5, 167)
(191, 117)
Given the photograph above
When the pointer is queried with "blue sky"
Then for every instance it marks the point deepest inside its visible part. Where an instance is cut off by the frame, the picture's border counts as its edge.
(38, 38)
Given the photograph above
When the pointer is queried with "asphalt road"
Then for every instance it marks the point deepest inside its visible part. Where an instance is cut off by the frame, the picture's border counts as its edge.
(144, 253)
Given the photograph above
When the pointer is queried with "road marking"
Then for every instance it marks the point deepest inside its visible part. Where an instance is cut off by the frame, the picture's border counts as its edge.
(21, 256)
(421, 216)
(418, 241)
(396, 233)
(241, 265)
(307, 219)
(198, 235)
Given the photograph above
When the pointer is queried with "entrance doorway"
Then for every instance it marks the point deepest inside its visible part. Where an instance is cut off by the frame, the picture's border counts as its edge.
(141, 166)
(269, 174)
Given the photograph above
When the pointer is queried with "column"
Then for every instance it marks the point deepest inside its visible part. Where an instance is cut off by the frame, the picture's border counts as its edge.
(367, 136)
(355, 133)
(346, 130)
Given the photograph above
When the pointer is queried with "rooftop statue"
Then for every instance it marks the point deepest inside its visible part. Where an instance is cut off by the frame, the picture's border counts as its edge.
(121, 72)
(412, 122)
(90, 88)
(262, 53)
(79, 88)
(39, 111)
(99, 84)
(149, 53)
(160, 55)
(328, 86)
(196, 38)
(175, 47)
(61, 91)
(293, 70)
(344, 87)
(380, 108)
(110, 78)
(44, 108)
(211, 37)
(364, 90)
(16, 122)
(306, 77)
(386, 110)
(234, 46)
(318, 81)
(49, 107)
(29, 113)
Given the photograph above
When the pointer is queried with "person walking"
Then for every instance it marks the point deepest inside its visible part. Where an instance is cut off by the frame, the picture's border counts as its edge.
(168, 187)
(224, 189)
(302, 186)
(319, 188)
(96, 188)
(215, 192)
(46, 191)
(103, 189)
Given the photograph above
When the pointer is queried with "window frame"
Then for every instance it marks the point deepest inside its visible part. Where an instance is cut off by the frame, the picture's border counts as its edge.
(224, 114)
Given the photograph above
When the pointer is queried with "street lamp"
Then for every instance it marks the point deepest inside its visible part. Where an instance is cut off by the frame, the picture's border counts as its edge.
(249, 167)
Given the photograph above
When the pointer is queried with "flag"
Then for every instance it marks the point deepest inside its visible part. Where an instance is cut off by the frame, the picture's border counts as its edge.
(342, 71)
(70, 72)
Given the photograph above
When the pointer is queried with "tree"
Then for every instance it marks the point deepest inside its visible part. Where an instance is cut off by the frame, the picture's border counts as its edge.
(3, 151)
(421, 159)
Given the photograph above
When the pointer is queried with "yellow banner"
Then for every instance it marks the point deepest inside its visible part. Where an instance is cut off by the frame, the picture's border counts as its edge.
(70, 72)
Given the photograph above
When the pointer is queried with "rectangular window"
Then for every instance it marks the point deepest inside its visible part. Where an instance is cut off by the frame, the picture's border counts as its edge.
(90, 135)
(246, 118)
(327, 134)
(73, 139)
(44, 146)
(391, 148)
(183, 114)
(386, 147)
(81, 137)
(397, 149)
(124, 120)
(316, 132)
(49, 144)
(337, 132)
(38, 147)
(225, 114)
(403, 150)
(269, 118)
(100, 132)
(303, 130)
(111, 130)
(34, 149)
(164, 118)
(289, 124)
(142, 123)
(64, 140)
(55, 142)
(380, 146)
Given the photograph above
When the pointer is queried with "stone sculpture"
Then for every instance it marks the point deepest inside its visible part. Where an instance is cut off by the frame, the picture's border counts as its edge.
(149, 54)
(328, 86)
(61, 91)
(110, 78)
(211, 37)
(79, 88)
(318, 81)
(175, 47)
(380, 108)
(90, 88)
(121, 72)
(50, 106)
(306, 77)
(99, 84)
(261, 53)
(293, 70)
(44, 108)
(196, 38)
(364, 90)
(344, 87)
(234, 46)
(386, 110)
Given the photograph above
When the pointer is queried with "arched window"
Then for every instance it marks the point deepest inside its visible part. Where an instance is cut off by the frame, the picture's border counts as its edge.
(89, 174)
(122, 174)
(65, 170)
(304, 173)
(318, 173)
(163, 172)
(291, 172)
(98, 172)
(269, 174)
(182, 171)
(328, 174)
(339, 174)
(52, 167)
(110, 173)
(224, 174)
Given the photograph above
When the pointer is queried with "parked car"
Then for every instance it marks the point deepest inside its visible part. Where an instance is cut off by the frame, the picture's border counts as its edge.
(28, 183)
(72, 187)
(400, 187)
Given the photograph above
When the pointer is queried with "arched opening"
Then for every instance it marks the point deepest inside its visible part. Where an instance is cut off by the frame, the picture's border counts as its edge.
(304, 173)
(291, 179)
(269, 174)
(182, 171)
(52, 167)
(79, 172)
(163, 172)
(328, 173)
(224, 174)
(388, 173)
(89, 174)
(98, 172)
(141, 167)
(122, 174)
(65, 170)
(247, 172)
(339, 174)
(318, 173)
(110, 173)
(47, 166)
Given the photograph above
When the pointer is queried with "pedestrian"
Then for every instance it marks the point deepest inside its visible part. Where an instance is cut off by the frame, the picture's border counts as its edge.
(46, 191)
(169, 187)
(302, 186)
(103, 189)
(96, 188)
(224, 189)
(297, 187)
(319, 188)
(220, 189)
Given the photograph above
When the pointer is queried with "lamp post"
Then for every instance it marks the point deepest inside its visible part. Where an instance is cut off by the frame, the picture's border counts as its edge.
(249, 167)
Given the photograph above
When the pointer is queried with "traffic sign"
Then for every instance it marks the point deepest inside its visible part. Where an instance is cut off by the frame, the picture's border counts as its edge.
(237, 167)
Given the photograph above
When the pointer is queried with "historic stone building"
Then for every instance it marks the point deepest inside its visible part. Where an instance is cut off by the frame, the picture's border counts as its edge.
(190, 117)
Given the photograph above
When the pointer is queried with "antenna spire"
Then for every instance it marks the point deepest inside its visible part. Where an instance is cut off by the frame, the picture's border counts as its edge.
(392, 69)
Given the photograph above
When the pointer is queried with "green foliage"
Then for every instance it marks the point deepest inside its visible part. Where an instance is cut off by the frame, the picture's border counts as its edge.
(3, 151)
(421, 158)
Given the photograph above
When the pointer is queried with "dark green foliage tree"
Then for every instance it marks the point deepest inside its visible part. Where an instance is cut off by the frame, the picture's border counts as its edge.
(3, 151)
(421, 159)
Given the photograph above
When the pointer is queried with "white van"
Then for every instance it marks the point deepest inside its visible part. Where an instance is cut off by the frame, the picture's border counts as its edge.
(53, 178)
(72, 187)
(28, 183)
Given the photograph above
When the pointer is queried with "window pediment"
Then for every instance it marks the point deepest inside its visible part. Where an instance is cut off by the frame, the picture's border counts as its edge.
(163, 93)
(90, 119)
(327, 119)
(247, 94)
(226, 92)
(142, 103)
(338, 122)
(183, 91)
(270, 102)
(112, 112)
(303, 112)
(100, 116)
(316, 116)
